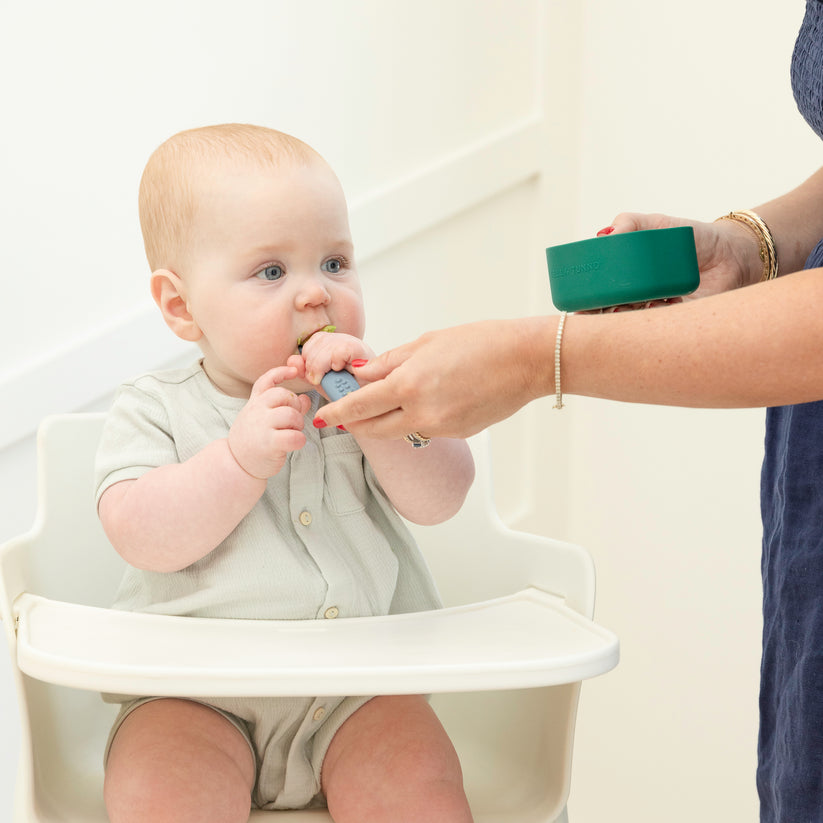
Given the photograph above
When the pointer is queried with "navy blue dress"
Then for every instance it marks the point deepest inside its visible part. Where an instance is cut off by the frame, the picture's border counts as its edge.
(790, 749)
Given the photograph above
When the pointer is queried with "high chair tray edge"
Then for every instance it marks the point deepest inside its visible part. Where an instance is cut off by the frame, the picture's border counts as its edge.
(522, 640)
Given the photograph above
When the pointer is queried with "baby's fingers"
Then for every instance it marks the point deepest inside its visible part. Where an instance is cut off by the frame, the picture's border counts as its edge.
(272, 379)
(297, 362)
(287, 417)
(305, 404)
(280, 398)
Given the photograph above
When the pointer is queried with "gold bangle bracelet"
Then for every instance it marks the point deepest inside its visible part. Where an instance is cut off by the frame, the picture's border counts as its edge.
(768, 253)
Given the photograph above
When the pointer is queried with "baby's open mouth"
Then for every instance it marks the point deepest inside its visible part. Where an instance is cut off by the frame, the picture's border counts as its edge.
(301, 341)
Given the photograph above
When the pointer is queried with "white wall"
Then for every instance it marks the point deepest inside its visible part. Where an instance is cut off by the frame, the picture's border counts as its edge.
(687, 109)
(431, 113)
(469, 135)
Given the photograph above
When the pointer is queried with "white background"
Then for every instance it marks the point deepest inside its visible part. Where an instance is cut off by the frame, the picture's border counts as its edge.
(469, 134)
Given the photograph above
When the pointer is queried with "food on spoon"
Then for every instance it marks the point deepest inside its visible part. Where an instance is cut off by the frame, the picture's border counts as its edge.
(301, 341)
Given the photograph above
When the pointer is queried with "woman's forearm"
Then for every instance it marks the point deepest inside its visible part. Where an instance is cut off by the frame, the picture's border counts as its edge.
(796, 222)
(759, 346)
(755, 347)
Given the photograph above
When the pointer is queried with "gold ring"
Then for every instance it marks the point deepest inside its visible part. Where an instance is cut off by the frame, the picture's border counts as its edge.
(417, 440)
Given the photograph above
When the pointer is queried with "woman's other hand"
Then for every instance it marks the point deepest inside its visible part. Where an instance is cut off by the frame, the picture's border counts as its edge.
(728, 253)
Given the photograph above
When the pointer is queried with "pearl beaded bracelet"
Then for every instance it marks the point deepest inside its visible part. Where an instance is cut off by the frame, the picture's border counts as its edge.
(558, 340)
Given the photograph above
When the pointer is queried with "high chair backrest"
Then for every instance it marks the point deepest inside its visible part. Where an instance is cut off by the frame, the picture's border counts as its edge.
(515, 746)
(474, 568)
(75, 561)
(475, 555)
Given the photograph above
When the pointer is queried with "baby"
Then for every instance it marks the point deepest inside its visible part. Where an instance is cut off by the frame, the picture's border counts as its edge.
(225, 504)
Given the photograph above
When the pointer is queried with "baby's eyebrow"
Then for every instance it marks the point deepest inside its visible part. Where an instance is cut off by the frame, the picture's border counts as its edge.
(336, 240)
(344, 245)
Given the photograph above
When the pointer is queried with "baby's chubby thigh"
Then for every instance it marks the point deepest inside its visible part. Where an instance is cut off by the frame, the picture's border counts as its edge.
(393, 761)
(178, 760)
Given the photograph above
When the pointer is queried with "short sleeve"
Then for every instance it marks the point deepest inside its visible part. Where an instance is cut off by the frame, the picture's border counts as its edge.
(136, 438)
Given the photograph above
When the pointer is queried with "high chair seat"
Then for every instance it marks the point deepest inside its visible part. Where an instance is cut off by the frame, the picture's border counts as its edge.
(504, 658)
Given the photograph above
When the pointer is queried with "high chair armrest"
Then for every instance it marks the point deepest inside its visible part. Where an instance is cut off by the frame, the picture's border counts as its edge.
(526, 639)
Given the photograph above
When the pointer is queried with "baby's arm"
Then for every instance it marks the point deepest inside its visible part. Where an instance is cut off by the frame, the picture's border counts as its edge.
(176, 514)
(427, 485)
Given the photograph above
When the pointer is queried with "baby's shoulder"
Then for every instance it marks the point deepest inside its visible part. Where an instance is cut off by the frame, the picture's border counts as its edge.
(167, 379)
(154, 395)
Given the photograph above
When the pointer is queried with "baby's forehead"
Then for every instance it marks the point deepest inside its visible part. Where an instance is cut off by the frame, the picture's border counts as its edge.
(207, 175)
(255, 194)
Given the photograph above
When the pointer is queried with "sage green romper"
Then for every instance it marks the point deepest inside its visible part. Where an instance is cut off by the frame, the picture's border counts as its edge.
(323, 542)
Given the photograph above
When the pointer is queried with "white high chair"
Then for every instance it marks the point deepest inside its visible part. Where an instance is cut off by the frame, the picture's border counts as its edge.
(504, 659)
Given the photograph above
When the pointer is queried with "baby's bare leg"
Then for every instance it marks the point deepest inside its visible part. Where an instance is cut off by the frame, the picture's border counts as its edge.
(175, 760)
(392, 762)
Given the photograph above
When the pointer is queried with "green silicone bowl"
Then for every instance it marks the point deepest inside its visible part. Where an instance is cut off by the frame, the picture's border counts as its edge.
(631, 267)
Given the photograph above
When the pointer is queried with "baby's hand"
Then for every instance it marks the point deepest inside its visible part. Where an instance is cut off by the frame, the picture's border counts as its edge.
(326, 351)
(270, 425)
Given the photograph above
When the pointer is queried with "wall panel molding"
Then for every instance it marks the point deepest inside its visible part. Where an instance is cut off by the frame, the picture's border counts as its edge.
(90, 366)
(389, 215)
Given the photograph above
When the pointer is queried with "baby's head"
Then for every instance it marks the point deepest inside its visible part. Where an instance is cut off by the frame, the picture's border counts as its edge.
(247, 235)
(184, 170)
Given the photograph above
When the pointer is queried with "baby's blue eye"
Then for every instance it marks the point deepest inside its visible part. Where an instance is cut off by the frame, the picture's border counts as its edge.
(332, 266)
(273, 272)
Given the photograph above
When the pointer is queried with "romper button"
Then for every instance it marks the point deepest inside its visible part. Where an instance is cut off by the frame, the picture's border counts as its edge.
(305, 518)
(331, 612)
(318, 714)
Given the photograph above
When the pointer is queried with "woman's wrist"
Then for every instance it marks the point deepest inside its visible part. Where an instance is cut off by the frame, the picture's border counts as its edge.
(533, 352)
(744, 247)
(758, 229)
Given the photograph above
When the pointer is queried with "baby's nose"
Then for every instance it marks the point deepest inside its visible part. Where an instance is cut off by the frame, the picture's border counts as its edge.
(312, 292)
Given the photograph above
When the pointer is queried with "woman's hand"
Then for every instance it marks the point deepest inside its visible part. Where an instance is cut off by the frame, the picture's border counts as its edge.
(451, 383)
(728, 254)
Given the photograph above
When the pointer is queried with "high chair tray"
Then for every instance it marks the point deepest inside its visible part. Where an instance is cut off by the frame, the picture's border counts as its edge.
(522, 640)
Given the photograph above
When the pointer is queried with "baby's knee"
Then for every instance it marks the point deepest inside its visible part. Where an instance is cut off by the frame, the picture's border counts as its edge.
(394, 759)
(427, 785)
(178, 761)
(432, 768)
(149, 798)
(135, 796)
(423, 772)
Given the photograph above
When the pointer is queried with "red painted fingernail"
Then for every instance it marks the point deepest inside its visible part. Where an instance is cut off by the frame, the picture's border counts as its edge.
(604, 232)
(318, 423)
(358, 363)
(342, 428)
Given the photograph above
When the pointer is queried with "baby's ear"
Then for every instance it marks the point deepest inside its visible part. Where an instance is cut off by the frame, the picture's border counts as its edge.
(169, 292)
